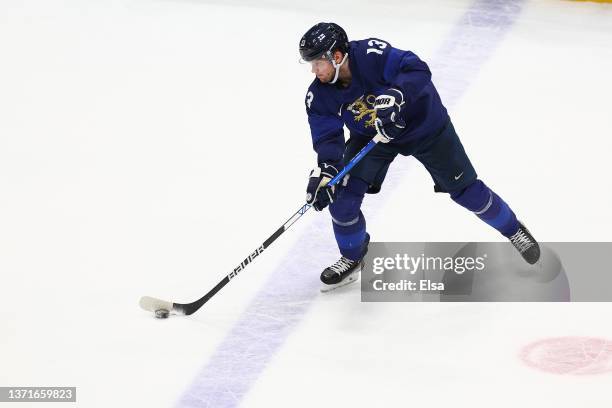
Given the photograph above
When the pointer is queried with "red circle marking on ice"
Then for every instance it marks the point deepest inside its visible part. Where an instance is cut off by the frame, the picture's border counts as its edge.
(569, 355)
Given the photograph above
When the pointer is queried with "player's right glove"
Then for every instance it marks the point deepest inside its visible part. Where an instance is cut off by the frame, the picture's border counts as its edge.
(317, 193)
(389, 124)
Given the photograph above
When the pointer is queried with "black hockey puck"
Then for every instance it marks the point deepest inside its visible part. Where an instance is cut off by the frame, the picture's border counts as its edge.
(162, 313)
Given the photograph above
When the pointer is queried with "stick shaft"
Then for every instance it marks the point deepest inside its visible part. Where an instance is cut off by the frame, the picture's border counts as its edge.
(189, 308)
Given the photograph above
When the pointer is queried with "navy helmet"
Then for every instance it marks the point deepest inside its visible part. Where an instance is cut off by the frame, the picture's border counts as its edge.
(322, 40)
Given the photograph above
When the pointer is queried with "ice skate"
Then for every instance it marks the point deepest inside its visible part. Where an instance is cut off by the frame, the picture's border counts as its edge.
(526, 244)
(341, 273)
(344, 271)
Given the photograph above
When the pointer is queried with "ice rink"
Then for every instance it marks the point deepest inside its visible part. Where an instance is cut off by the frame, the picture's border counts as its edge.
(148, 146)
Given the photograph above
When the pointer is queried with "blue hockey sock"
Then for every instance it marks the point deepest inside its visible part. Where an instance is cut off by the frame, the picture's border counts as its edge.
(487, 206)
(348, 220)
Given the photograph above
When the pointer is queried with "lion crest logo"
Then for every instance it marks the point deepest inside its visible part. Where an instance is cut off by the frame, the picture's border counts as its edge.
(362, 108)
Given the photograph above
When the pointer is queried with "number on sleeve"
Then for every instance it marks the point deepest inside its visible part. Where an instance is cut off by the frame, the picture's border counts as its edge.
(309, 98)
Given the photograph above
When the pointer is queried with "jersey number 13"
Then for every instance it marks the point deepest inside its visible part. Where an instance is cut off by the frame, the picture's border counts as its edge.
(375, 43)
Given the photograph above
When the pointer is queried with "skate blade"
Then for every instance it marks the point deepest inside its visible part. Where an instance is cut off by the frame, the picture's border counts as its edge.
(353, 277)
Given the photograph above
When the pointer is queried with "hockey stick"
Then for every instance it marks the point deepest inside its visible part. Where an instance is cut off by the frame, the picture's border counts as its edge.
(163, 308)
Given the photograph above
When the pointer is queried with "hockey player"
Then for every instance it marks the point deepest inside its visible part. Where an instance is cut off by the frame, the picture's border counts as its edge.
(372, 87)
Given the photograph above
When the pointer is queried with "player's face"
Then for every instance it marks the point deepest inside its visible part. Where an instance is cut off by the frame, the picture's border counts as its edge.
(323, 69)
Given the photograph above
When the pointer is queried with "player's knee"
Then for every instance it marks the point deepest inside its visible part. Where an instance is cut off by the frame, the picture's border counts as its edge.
(348, 201)
(344, 212)
(473, 197)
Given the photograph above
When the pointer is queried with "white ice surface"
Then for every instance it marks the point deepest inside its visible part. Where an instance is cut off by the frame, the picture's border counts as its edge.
(146, 147)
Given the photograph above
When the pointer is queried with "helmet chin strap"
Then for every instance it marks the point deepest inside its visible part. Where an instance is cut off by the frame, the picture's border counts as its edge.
(337, 67)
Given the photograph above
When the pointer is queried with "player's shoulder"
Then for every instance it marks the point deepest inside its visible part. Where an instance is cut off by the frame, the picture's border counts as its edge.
(371, 46)
(369, 42)
(316, 86)
(320, 98)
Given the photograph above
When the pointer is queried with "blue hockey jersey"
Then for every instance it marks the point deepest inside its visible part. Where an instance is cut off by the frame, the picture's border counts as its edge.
(375, 66)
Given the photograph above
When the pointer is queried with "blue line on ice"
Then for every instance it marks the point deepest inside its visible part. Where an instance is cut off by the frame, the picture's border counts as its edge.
(285, 298)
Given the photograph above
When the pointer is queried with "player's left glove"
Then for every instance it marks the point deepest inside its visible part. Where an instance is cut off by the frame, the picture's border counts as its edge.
(389, 123)
(317, 193)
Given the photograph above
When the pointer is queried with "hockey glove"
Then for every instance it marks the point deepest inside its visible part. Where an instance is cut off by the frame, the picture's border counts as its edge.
(389, 123)
(317, 193)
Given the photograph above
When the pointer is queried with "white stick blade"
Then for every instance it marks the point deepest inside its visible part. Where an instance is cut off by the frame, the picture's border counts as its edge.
(152, 304)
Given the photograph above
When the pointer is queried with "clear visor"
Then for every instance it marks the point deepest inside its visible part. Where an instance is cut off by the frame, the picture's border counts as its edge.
(317, 63)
